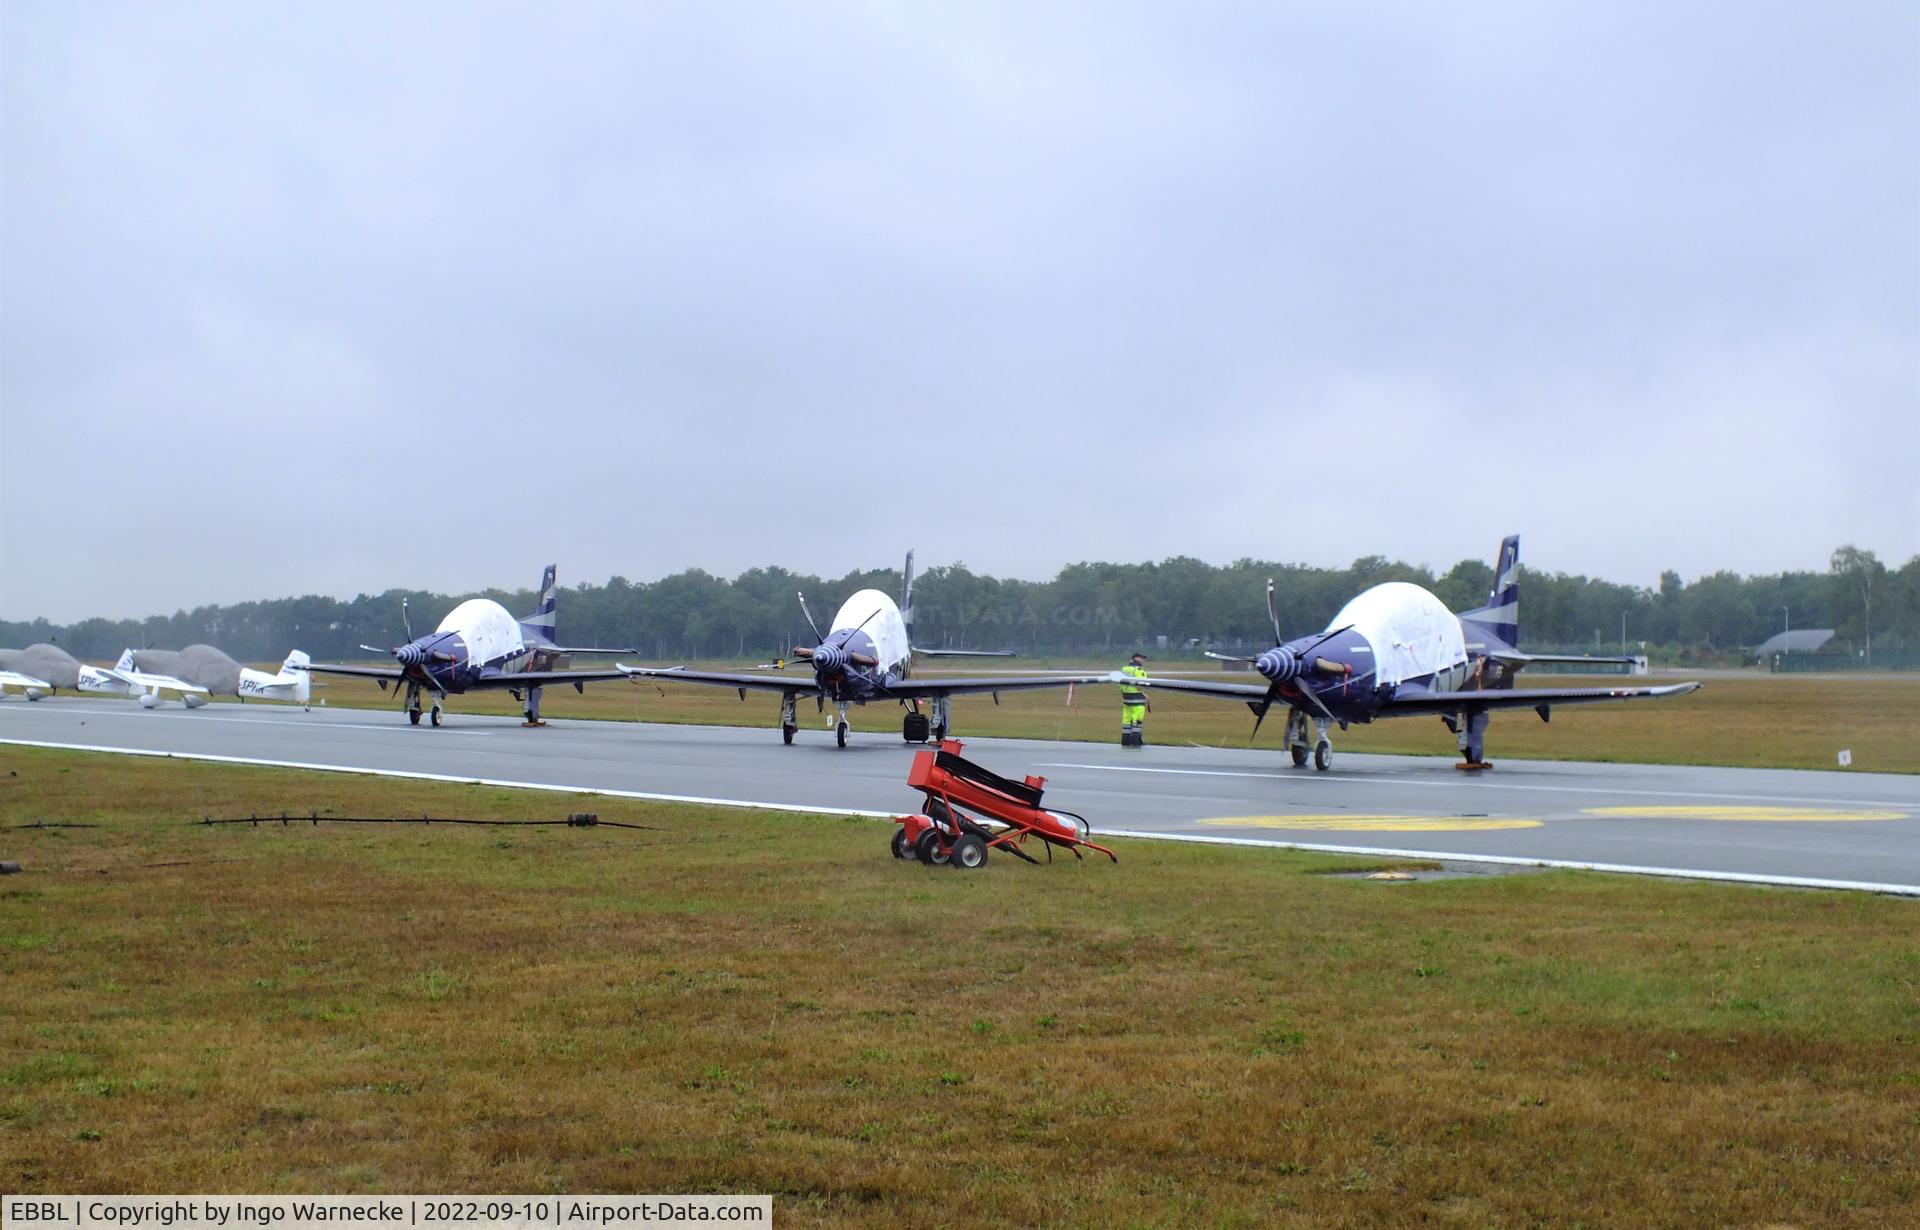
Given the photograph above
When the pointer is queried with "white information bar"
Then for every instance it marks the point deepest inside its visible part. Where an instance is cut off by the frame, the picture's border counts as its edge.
(434, 1212)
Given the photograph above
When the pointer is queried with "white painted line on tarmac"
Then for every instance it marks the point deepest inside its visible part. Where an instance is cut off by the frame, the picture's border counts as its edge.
(185, 715)
(1483, 784)
(457, 779)
(1909, 890)
(1678, 873)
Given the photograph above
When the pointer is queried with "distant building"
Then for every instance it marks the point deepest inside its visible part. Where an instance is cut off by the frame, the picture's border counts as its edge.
(1800, 640)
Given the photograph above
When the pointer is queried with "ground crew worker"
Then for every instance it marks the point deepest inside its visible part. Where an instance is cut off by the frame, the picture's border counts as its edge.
(1134, 705)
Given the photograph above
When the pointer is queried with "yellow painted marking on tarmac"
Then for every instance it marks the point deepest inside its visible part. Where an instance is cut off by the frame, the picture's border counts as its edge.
(1377, 824)
(1795, 815)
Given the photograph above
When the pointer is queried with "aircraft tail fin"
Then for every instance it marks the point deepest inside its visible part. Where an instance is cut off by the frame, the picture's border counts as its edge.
(126, 660)
(542, 621)
(1500, 617)
(296, 661)
(906, 598)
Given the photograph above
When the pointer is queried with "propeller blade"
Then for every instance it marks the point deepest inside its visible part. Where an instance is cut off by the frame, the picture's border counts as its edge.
(802, 651)
(377, 649)
(809, 615)
(863, 659)
(1308, 692)
(1260, 714)
(406, 621)
(1273, 613)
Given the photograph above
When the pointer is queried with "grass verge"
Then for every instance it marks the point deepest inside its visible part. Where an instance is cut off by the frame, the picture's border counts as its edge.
(736, 1001)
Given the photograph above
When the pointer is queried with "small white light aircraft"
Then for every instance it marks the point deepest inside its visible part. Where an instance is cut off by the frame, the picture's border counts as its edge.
(42, 670)
(1396, 650)
(129, 680)
(867, 655)
(221, 675)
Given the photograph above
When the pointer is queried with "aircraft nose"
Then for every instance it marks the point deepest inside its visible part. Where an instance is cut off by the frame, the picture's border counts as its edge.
(828, 657)
(1277, 664)
(410, 655)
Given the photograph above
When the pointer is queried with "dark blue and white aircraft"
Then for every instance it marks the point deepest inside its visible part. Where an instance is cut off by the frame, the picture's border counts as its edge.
(1396, 651)
(867, 655)
(477, 646)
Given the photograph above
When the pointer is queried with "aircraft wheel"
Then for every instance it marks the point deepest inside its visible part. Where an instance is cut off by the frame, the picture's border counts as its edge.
(436, 717)
(413, 716)
(902, 848)
(840, 733)
(1323, 756)
(927, 849)
(969, 852)
(787, 732)
(1299, 751)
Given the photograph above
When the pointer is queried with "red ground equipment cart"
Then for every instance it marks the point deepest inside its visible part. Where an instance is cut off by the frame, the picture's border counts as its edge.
(945, 833)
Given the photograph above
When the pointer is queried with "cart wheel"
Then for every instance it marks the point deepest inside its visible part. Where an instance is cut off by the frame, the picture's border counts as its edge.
(969, 852)
(902, 848)
(929, 850)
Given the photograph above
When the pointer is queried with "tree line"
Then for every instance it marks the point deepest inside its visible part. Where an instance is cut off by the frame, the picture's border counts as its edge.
(1088, 608)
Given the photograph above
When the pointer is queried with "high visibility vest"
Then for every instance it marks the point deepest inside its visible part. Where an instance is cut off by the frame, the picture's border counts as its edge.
(1130, 695)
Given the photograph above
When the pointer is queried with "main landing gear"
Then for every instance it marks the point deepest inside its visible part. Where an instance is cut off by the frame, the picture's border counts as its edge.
(1470, 730)
(918, 727)
(1298, 744)
(789, 718)
(533, 708)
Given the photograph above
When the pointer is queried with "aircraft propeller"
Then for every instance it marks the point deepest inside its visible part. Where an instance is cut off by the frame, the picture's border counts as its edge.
(825, 657)
(1282, 665)
(410, 654)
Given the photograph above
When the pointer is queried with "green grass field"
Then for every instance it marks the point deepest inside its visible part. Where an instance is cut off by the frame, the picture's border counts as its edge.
(735, 1001)
(1755, 720)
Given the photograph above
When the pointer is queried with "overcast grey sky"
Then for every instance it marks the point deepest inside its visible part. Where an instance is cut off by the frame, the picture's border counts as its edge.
(333, 298)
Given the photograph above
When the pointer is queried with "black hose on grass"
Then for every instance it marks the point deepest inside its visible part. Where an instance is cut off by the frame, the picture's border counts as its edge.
(574, 820)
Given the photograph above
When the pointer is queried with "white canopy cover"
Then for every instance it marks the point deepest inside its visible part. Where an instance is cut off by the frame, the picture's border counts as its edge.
(1413, 634)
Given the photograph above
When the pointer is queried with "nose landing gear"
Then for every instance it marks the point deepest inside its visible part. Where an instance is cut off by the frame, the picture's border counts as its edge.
(1299, 747)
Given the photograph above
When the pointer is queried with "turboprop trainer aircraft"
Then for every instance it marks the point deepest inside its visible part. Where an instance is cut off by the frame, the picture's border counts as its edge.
(1397, 651)
(865, 656)
(479, 645)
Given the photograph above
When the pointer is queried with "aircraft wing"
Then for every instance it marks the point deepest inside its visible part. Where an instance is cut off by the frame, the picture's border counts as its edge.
(1524, 698)
(963, 685)
(1517, 658)
(1415, 704)
(365, 672)
(14, 679)
(166, 683)
(767, 682)
(541, 679)
(906, 689)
